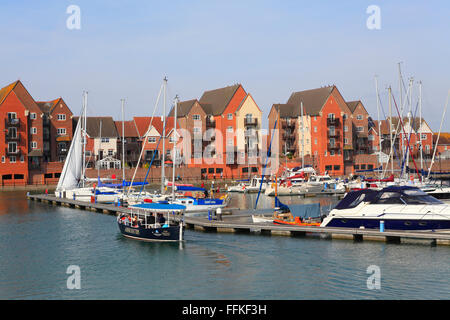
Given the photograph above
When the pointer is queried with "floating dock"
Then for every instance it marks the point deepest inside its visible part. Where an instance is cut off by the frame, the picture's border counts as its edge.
(230, 221)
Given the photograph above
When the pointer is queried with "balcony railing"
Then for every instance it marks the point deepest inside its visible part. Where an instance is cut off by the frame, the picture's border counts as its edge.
(13, 152)
(9, 137)
(334, 134)
(210, 123)
(288, 136)
(12, 122)
(334, 146)
(289, 123)
(333, 122)
(250, 121)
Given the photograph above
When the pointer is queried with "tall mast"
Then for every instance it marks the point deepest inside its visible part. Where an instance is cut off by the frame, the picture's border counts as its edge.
(100, 144)
(174, 158)
(84, 135)
(379, 120)
(123, 141)
(409, 114)
(401, 104)
(420, 126)
(303, 135)
(163, 138)
(390, 130)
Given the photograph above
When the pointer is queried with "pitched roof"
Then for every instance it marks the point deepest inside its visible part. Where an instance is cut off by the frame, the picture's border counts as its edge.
(313, 100)
(47, 106)
(352, 105)
(6, 90)
(108, 127)
(130, 129)
(444, 138)
(22, 93)
(183, 108)
(143, 123)
(215, 101)
(287, 110)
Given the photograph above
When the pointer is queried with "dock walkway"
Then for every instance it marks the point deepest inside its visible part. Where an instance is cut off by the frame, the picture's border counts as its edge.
(236, 223)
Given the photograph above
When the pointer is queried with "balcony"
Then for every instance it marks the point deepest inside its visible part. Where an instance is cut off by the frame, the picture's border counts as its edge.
(11, 152)
(288, 136)
(9, 137)
(250, 121)
(210, 123)
(334, 146)
(288, 123)
(334, 134)
(12, 122)
(333, 122)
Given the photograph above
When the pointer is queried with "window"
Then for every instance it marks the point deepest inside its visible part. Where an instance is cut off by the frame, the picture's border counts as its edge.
(22, 158)
(172, 139)
(104, 140)
(195, 117)
(328, 168)
(12, 159)
(331, 152)
(370, 166)
(12, 147)
(315, 118)
(33, 130)
(229, 129)
(345, 140)
(61, 117)
(33, 144)
(219, 170)
(210, 170)
(345, 128)
(363, 167)
(427, 148)
(360, 129)
(356, 166)
(371, 137)
(3, 159)
(344, 116)
(315, 140)
(230, 142)
(12, 132)
(110, 152)
(423, 136)
(230, 116)
(32, 116)
(315, 129)
(152, 139)
(331, 116)
(359, 117)
(336, 167)
(61, 131)
(197, 130)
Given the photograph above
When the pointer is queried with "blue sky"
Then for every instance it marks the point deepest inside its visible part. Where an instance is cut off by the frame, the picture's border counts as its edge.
(273, 48)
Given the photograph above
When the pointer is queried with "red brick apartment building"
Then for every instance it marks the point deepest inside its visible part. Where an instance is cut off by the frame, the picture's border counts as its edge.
(336, 131)
(29, 136)
(224, 127)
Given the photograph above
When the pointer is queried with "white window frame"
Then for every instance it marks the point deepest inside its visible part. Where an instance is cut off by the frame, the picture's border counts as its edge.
(61, 131)
(12, 159)
(230, 116)
(33, 116)
(61, 117)
(196, 117)
(33, 145)
(359, 129)
(230, 129)
(105, 140)
(151, 139)
(359, 117)
(33, 130)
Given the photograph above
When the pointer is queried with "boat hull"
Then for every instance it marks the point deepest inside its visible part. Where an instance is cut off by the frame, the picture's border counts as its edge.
(169, 234)
(392, 224)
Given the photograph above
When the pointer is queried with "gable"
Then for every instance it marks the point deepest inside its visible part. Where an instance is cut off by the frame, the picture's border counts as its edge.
(248, 105)
(214, 102)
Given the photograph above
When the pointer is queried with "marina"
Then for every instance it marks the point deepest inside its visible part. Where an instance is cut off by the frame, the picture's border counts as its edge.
(236, 221)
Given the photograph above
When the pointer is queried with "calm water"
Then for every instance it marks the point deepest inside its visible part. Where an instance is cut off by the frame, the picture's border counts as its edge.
(38, 242)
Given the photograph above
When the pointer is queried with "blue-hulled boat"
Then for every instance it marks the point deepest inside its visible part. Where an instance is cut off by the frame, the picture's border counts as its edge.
(395, 207)
(152, 222)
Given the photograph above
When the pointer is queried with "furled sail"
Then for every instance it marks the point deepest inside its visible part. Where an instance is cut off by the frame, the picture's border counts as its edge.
(71, 172)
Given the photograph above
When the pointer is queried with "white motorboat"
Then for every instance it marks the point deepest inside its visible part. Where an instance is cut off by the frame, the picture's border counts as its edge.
(394, 207)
